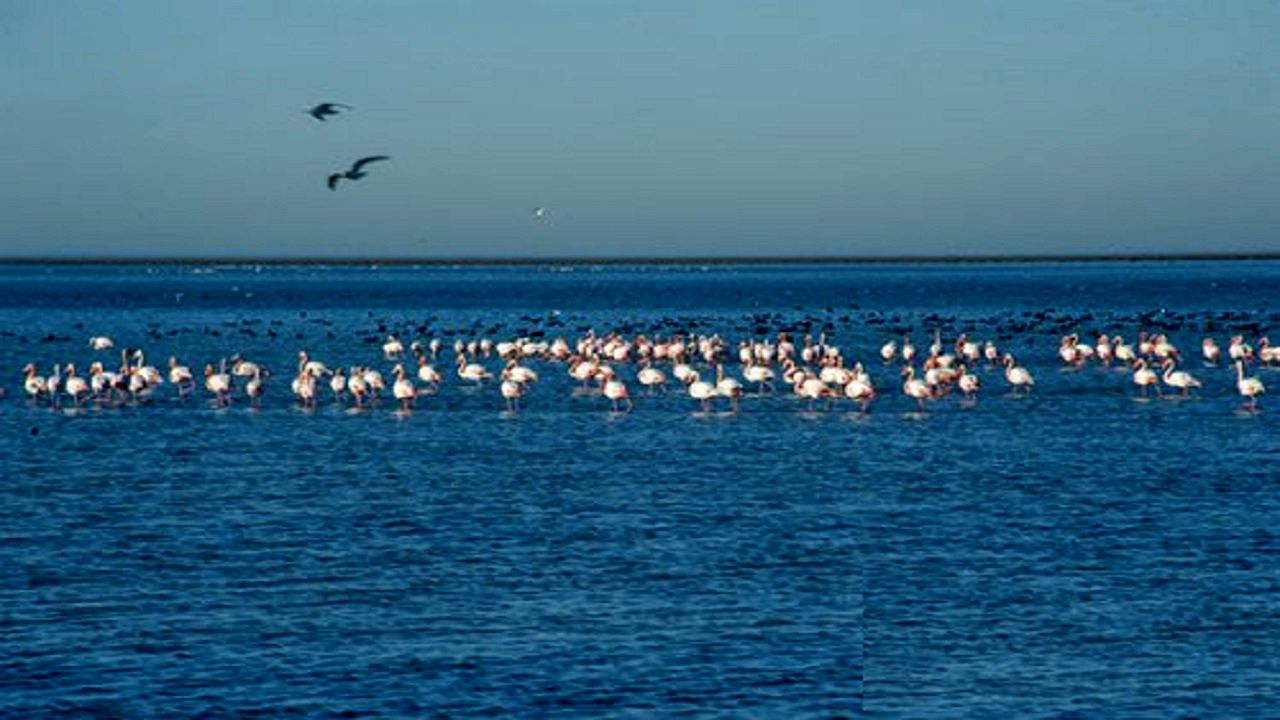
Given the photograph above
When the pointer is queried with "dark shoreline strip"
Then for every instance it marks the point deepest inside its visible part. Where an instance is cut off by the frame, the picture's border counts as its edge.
(638, 260)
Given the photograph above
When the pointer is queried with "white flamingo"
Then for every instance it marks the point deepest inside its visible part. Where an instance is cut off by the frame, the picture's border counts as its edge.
(180, 377)
(392, 348)
(967, 382)
(1144, 377)
(761, 375)
(429, 375)
(1250, 387)
(616, 391)
(254, 387)
(1212, 353)
(728, 387)
(700, 390)
(338, 384)
(915, 388)
(403, 388)
(472, 372)
(511, 392)
(75, 386)
(651, 377)
(33, 384)
(218, 383)
(1017, 376)
(1178, 378)
(358, 387)
(861, 392)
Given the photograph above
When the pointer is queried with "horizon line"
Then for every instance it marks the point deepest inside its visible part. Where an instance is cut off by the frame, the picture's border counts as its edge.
(637, 259)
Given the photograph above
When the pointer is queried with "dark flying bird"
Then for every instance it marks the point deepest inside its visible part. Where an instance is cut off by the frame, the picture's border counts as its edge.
(323, 109)
(356, 172)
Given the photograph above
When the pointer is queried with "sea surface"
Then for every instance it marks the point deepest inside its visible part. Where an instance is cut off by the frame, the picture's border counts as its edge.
(1080, 552)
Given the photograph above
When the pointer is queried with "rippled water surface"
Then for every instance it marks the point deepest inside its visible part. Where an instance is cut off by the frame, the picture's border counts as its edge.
(1079, 552)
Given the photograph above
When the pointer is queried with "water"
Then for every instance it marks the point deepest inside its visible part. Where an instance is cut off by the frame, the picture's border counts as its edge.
(1081, 552)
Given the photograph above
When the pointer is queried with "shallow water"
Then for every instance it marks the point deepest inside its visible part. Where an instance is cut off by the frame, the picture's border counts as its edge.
(1081, 552)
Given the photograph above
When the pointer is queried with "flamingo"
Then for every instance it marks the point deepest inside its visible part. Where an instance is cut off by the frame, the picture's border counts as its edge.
(254, 387)
(700, 390)
(101, 342)
(356, 384)
(812, 387)
(1267, 354)
(1123, 352)
(616, 391)
(914, 387)
(511, 392)
(908, 350)
(149, 376)
(100, 381)
(991, 352)
(1178, 378)
(1104, 350)
(728, 387)
(338, 384)
(403, 388)
(304, 386)
(651, 377)
(53, 383)
(429, 375)
(1239, 349)
(967, 381)
(311, 367)
(519, 373)
(761, 375)
(218, 383)
(180, 377)
(374, 382)
(1145, 377)
(392, 348)
(473, 372)
(1250, 387)
(243, 368)
(1212, 353)
(861, 392)
(889, 351)
(75, 385)
(1017, 376)
(33, 384)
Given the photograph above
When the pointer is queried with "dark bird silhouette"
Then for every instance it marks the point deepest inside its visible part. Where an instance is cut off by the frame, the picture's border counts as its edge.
(322, 110)
(357, 170)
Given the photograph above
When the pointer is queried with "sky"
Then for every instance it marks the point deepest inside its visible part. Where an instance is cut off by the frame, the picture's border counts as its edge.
(655, 127)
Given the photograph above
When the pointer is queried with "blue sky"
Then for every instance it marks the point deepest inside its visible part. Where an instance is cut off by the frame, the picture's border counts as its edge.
(669, 128)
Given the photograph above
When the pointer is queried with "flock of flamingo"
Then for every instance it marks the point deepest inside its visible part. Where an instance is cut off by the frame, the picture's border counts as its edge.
(816, 371)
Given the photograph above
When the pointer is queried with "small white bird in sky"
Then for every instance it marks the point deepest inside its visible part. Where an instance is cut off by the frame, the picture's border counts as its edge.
(541, 213)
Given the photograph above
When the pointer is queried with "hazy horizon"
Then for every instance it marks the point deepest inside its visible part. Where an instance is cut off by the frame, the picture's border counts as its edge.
(716, 129)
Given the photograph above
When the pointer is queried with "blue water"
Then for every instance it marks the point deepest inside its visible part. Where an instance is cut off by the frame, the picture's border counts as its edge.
(1081, 552)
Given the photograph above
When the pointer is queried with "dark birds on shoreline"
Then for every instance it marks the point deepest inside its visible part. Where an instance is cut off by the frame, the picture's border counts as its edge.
(356, 172)
(322, 110)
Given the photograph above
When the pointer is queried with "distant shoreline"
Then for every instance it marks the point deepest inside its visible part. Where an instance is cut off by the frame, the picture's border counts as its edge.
(660, 260)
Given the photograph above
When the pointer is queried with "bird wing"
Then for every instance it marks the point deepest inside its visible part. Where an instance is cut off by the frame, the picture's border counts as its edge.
(333, 180)
(365, 161)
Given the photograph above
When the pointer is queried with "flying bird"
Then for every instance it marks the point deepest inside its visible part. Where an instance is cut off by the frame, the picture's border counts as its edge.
(322, 110)
(356, 172)
(541, 213)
